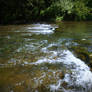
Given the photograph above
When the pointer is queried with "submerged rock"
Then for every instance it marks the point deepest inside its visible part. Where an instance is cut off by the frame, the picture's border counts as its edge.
(61, 75)
(83, 54)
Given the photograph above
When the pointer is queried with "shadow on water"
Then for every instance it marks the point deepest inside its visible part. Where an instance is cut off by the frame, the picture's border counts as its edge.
(46, 57)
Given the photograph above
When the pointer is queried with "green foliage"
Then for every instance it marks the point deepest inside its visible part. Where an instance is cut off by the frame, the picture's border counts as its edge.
(80, 10)
(66, 5)
(57, 9)
(36, 10)
(59, 18)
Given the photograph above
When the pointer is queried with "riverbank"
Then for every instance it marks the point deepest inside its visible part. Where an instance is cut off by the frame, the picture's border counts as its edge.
(32, 10)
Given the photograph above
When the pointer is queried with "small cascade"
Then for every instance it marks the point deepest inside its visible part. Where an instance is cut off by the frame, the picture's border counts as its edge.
(42, 29)
(80, 76)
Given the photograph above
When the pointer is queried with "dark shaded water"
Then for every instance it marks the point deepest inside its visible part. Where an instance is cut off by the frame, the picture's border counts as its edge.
(37, 57)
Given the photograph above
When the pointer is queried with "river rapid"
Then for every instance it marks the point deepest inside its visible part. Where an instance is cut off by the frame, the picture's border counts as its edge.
(39, 57)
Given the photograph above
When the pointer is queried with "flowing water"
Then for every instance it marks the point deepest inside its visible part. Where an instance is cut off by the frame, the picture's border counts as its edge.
(37, 58)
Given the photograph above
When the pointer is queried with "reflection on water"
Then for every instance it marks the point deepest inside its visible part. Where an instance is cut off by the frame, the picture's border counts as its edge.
(37, 57)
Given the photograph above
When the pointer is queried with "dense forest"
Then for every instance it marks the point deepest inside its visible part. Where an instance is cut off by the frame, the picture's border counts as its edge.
(24, 11)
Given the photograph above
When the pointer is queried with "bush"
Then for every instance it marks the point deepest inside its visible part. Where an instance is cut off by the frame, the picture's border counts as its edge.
(31, 10)
(80, 10)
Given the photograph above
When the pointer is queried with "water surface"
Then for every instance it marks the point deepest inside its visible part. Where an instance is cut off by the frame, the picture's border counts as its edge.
(37, 57)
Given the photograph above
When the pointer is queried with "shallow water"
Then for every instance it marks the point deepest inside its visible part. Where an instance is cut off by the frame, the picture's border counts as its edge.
(37, 58)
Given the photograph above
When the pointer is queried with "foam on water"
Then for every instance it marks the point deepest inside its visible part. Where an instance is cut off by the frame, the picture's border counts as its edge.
(80, 71)
(83, 71)
(42, 29)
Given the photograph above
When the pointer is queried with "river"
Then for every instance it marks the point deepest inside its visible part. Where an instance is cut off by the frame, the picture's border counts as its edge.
(41, 57)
